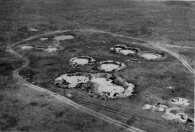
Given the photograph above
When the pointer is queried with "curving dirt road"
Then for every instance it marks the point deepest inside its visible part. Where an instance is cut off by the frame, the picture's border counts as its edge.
(57, 96)
(138, 119)
(148, 43)
(184, 62)
(70, 102)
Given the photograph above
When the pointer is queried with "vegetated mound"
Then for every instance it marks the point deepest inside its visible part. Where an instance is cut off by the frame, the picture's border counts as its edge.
(101, 85)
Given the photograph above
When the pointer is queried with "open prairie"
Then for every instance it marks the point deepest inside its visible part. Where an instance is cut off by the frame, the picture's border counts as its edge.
(97, 65)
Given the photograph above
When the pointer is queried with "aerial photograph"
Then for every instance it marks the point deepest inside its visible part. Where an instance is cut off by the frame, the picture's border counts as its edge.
(97, 65)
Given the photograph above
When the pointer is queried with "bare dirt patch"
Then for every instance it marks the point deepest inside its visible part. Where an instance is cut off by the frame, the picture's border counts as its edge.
(101, 85)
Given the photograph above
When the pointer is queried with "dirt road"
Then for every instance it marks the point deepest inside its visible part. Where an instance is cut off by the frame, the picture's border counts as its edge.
(70, 102)
(57, 96)
(147, 44)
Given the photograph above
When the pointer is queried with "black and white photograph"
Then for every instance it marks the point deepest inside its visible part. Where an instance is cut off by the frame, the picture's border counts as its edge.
(97, 65)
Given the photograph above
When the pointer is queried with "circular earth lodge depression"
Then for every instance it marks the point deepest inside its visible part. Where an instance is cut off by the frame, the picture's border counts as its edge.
(179, 101)
(63, 37)
(102, 85)
(124, 50)
(151, 56)
(71, 80)
(110, 65)
(81, 60)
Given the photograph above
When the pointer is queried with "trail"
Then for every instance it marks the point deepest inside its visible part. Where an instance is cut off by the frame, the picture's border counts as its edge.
(60, 97)
(155, 45)
(140, 120)
(113, 34)
(184, 62)
(67, 100)
(177, 46)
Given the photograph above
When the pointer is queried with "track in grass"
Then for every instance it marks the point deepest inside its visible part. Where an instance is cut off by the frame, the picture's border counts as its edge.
(72, 103)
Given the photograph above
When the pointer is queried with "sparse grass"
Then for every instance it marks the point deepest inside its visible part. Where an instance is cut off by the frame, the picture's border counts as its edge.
(23, 109)
(151, 82)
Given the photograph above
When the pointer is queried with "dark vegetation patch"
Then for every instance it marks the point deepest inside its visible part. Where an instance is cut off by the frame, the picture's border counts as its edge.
(131, 120)
(178, 3)
(6, 69)
(23, 32)
(5, 27)
(143, 30)
(7, 122)
(44, 105)
(1, 97)
(44, 70)
(4, 54)
(45, 27)
(2, 39)
(28, 73)
(98, 37)
(183, 85)
(8, 62)
(8, 65)
(20, 36)
(34, 103)
(37, 62)
(24, 128)
(188, 54)
(71, 50)
(74, 50)
(59, 114)
(6, 83)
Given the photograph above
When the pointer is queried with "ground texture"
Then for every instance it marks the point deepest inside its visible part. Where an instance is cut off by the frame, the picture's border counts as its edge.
(29, 98)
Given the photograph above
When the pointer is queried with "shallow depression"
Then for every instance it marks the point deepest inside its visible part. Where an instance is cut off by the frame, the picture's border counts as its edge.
(51, 49)
(26, 47)
(63, 37)
(150, 56)
(110, 65)
(71, 81)
(124, 50)
(105, 85)
(81, 60)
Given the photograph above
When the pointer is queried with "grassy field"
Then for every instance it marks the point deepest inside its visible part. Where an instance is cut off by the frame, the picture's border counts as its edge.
(167, 22)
